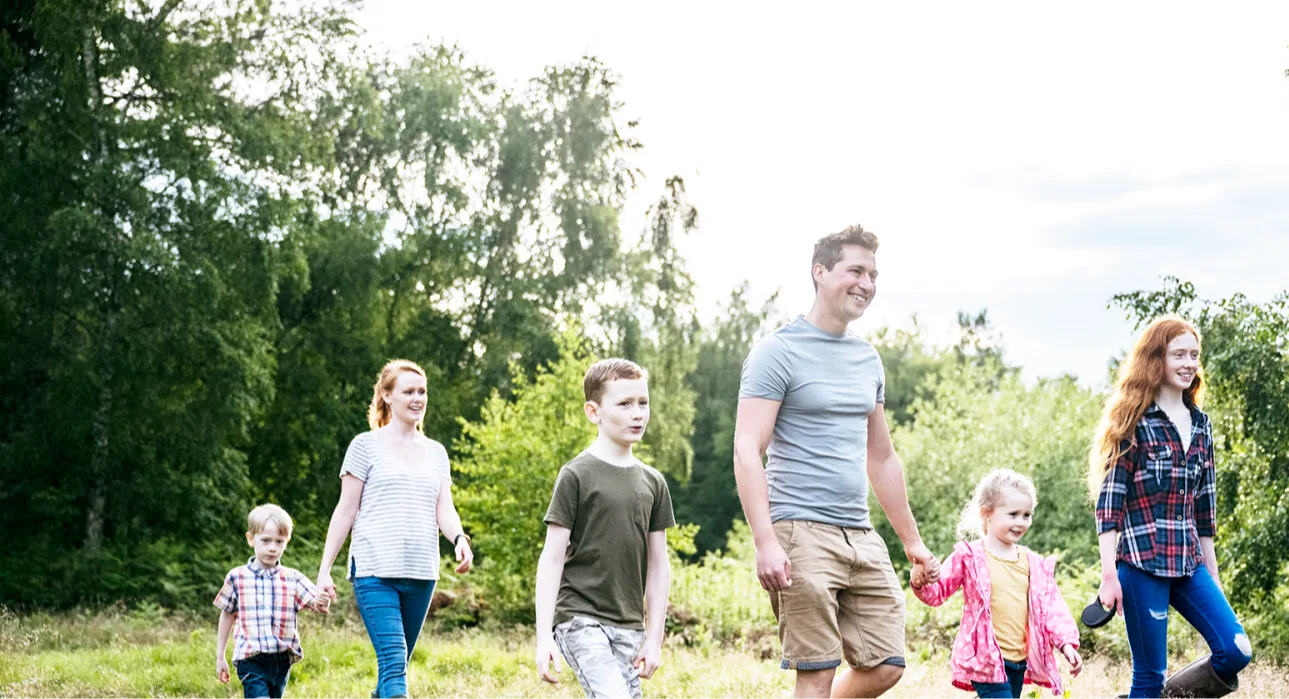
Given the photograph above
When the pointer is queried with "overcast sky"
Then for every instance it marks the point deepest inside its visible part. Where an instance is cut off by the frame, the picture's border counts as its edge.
(1017, 157)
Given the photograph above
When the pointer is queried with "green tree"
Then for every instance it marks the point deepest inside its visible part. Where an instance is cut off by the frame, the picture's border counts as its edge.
(221, 220)
(506, 473)
(147, 161)
(669, 345)
(910, 360)
(975, 422)
(459, 223)
(710, 498)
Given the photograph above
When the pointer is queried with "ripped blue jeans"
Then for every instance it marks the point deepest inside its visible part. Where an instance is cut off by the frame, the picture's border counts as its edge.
(1200, 601)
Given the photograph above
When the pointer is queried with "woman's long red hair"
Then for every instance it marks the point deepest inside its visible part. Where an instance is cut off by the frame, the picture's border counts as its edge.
(1140, 376)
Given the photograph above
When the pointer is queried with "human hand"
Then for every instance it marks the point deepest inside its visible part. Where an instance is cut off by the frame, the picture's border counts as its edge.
(773, 567)
(325, 586)
(221, 670)
(1110, 593)
(918, 576)
(920, 556)
(464, 555)
(547, 657)
(1073, 658)
(648, 659)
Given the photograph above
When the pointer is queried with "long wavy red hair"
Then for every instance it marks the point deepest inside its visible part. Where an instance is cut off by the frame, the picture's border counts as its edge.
(1140, 376)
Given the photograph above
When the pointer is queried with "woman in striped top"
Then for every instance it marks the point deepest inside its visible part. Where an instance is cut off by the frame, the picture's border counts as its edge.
(396, 497)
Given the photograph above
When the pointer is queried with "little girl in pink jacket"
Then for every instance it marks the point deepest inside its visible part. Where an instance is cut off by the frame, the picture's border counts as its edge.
(1013, 615)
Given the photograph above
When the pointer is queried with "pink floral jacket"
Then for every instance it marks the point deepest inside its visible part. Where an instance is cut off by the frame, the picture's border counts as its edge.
(976, 657)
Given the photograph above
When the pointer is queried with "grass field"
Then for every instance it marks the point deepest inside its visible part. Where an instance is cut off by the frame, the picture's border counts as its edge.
(151, 653)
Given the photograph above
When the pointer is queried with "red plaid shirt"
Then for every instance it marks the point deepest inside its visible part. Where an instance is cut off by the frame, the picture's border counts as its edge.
(266, 601)
(1159, 499)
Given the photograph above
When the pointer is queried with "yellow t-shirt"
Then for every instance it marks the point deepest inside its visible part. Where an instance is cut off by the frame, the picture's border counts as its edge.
(1009, 603)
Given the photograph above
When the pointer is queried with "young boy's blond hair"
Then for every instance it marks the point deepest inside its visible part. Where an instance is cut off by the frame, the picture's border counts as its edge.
(268, 512)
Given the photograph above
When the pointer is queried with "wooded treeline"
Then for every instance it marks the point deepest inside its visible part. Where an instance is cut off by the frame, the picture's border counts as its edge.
(221, 218)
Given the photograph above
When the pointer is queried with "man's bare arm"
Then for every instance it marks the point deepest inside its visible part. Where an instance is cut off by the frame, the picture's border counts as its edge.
(886, 473)
(752, 431)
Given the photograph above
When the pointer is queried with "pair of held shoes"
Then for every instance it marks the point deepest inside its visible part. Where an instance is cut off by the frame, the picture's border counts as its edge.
(1198, 679)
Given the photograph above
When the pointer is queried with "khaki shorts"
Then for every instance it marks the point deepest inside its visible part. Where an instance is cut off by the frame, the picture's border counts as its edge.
(844, 602)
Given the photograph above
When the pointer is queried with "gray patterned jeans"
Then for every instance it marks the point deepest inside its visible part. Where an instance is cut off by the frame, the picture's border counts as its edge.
(601, 656)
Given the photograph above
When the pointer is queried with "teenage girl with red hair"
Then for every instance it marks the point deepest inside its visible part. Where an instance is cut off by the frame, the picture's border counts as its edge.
(1152, 476)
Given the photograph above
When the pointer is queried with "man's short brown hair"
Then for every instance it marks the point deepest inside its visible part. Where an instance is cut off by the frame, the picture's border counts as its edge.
(828, 249)
(606, 370)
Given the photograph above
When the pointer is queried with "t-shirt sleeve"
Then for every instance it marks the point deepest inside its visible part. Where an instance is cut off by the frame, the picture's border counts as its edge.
(445, 461)
(226, 600)
(881, 380)
(358, 458)
(662, 516)
(766, 371)
(563, 508)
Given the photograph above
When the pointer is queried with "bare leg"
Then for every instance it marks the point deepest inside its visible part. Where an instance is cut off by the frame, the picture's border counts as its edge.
(851, 682)
(814, 683)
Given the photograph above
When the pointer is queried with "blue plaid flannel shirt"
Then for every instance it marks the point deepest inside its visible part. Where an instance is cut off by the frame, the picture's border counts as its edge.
(1160, 499)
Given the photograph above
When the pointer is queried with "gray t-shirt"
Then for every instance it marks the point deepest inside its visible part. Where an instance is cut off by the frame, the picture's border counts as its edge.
(827, 385)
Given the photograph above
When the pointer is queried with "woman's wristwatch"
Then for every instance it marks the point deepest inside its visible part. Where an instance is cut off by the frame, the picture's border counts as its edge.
(458, 538)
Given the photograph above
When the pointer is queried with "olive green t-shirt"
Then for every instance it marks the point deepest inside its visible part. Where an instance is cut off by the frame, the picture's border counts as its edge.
(610, 511)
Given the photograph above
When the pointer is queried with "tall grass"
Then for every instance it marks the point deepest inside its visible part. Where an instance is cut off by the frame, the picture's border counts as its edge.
(119, 653)
(721, 641)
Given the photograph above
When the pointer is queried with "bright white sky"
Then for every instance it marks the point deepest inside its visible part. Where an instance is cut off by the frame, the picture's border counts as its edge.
(1024, 158)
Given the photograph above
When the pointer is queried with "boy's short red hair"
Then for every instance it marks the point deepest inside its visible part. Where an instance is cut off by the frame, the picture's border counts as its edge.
(606, 370)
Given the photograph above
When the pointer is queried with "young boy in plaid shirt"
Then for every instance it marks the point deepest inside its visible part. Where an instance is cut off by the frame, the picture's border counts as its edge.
(262, 599)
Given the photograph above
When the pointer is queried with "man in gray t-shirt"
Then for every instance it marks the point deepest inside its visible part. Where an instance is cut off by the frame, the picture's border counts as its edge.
(827, 386)
(811, 398)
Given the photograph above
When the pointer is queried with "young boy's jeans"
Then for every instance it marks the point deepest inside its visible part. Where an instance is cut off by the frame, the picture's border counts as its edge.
(601, 656)
(264, 674)
(1011, 688)
(1146, 599)
(393, 610)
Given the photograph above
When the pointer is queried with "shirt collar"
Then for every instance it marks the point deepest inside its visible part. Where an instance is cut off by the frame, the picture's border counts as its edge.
(259, 570)
(1198, 418)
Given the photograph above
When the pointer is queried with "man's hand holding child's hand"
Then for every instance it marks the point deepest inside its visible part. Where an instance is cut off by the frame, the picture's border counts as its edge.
(918, 577)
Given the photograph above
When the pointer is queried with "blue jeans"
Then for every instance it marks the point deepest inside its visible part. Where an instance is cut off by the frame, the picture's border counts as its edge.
(1200, 601)
(393, 610)
(265, 674)
(1011, 688)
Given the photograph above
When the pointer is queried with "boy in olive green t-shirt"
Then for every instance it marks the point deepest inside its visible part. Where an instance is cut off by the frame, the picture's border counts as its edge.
(605, 557)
